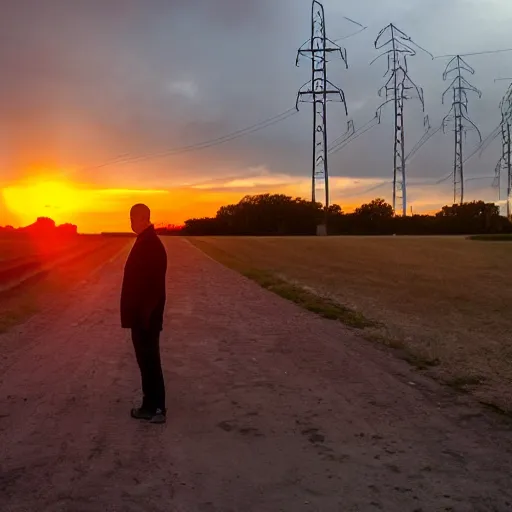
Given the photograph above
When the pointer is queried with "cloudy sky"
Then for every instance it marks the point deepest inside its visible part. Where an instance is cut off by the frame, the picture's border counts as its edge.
(95, 92)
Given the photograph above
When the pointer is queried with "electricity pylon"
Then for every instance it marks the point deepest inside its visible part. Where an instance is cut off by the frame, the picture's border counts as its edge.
(459, 115)
(397, 90)
(505, 162)
(319, 91)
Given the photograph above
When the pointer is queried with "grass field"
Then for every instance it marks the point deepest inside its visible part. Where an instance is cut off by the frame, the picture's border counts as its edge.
(492, 238)
(442, 303)
(17, 247)
(34, 274)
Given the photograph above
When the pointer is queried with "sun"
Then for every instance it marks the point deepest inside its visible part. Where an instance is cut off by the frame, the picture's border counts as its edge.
(56, 199)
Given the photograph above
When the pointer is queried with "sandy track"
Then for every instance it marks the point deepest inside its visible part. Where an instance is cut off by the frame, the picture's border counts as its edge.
(271, 409)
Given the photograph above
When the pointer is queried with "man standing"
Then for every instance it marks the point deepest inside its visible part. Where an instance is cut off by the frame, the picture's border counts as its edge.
(142, 309)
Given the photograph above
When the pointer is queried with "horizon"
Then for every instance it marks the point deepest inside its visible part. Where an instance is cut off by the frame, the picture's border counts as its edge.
(66, 202)
(159, 224)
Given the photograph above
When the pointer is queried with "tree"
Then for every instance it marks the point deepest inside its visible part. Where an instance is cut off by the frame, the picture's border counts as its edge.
(376, 209)
(278, 214)
(472, 210)
(472, 217)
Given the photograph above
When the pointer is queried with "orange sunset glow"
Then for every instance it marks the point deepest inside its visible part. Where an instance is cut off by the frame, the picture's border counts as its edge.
(95, 209)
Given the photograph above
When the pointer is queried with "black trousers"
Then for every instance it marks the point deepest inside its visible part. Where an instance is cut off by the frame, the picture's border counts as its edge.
(147, 351)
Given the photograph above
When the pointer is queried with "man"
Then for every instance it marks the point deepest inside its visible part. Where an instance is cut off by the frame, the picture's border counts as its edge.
(142, 309)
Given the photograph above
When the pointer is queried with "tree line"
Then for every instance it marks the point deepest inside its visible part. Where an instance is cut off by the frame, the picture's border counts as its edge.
(281, 215)
(43, 226)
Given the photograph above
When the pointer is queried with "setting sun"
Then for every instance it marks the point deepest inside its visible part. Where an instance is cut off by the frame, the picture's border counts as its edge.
(93, 209)
(46, 198)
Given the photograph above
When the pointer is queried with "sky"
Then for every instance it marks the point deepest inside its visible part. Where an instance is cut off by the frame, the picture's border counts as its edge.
(94, 93)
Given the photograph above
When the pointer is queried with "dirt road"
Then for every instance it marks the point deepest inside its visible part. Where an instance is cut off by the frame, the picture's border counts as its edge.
(270, 409)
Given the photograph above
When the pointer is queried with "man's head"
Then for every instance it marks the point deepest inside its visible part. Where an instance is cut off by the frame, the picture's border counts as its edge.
(140, 217)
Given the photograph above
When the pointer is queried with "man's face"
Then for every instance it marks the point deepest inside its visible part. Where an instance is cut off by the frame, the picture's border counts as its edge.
(137, 225)
(139, 218)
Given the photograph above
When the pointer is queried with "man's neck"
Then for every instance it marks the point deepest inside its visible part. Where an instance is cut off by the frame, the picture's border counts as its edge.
(145, 229)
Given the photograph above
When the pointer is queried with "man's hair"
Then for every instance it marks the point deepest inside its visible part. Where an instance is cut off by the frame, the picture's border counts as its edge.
(141, 211)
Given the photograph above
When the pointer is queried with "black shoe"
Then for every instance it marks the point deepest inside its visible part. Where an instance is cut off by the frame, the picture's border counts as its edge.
(159, 416)
(141, 414)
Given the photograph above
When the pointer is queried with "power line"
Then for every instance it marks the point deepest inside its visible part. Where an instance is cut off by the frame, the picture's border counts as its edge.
(353, 134)
(480, 178)
(488, 141)
(354, 22)
(200, 145)
(360, 134)
(349, 132)
(354, 137)
(438, 182)
(478, 148)
(339, 39)
(442, 180)
(362, 29)
(421, 143)
(383, 183)
(473, 54)
(368, 190)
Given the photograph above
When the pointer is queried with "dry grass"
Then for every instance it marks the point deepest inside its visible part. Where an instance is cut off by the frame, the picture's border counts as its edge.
(444, 301)
(15, 247)
(45, 287)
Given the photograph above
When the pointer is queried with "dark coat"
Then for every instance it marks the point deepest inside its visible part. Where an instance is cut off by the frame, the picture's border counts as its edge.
(143, 292)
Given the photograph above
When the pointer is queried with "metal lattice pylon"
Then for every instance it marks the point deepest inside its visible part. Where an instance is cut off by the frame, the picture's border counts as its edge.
(505, 162)
(397, 90)
(319, 91)
(459, 115)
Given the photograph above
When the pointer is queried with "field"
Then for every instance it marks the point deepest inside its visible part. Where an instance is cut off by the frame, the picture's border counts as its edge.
(442, 303)
(34, 271)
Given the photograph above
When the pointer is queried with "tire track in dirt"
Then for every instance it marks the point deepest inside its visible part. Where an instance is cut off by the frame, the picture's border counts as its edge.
(271, 408)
